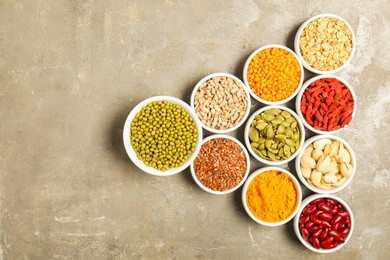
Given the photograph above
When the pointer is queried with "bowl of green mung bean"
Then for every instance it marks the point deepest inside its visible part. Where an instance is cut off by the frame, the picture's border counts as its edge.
(162, 135)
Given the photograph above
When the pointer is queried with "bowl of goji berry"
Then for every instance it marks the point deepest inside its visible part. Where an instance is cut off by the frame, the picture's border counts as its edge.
(324, 223)
(273, 74)
(326, 104)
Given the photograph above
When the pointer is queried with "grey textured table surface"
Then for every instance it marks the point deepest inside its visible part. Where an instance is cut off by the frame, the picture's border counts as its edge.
(71, 71)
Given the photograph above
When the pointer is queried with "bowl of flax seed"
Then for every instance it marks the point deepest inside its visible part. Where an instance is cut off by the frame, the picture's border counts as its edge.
(222, 164)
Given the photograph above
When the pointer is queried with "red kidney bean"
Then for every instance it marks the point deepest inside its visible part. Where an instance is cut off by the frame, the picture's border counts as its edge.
(316, 242)
(316, 201)
(333, 210)
(333, 245)
(317, 233)
(337, 226)
(336, 219)
(344, 214)
(324, 223)
(336, 235)
(309, 224)
(305, 234)
(344, 231)
(330, 202)
(327, 242)
(324, 207)
(304, 219)
(324, 233)
(326, 216)
(314, 229)
(309, 210)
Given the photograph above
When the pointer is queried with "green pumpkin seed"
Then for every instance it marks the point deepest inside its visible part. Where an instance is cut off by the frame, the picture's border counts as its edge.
(261, 146)
(261, 140)
(276, 122)
(261, 125)
(254, 145)
(290, 119)
(263, 152)
(268, 143)
(268, 117)
(285, 123)
(294, 124)
(285, 114)
(253, 134)
(271, 156)
(288, 132)
(280, 137)
(290, 142)
(292, 149)
(273, 111)
(270, 133)
(286, 150)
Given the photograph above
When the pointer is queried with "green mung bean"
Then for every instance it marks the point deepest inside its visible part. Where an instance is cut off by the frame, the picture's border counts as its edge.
(163, 135)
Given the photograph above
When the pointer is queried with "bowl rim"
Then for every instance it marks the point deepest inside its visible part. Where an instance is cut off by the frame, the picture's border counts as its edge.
(127, 133)
(248, 144)
(245, 77)
(248, 162)
(255, 174)
(304, 204)
(298, 101)
(239, 82)
(303, 179)
(298, 51)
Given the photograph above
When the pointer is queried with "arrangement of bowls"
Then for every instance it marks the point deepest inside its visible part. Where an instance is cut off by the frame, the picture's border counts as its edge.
(299, 100)
(240, 83)
(298, 50)
(248, 142)
(127, 134)
(200, 184)
(245, 75)
(296, 224)
(257, 173)
(299, 149)
(311, 186)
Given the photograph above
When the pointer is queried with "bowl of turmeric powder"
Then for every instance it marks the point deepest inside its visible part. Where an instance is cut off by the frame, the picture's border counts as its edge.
(271, 196)
(273, 74)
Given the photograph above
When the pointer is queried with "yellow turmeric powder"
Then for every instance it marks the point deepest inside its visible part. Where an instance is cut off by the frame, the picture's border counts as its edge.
(271, 196)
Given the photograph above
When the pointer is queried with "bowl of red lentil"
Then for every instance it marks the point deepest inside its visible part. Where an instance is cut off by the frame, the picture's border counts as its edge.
(271, 196)
(222, 164)
(326, 104)
(325, 43)
(274, 135)
(162, 135)
(273, 74)
(221, 101)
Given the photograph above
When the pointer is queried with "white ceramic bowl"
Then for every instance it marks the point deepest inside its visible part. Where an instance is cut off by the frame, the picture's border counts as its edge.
(255, 174)
(245, 75)
(311, 186)
(299, 99)
(239, 82)
(127, 133)
(248, 142)
(246, 172)
(304, 204)
(298, 51)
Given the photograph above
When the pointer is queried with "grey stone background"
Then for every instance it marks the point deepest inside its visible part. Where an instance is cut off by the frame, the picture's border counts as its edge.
(71, 71)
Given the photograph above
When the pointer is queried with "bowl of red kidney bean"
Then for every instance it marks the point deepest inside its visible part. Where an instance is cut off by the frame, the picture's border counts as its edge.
(222, 164)
(324, 223)
(326, 104)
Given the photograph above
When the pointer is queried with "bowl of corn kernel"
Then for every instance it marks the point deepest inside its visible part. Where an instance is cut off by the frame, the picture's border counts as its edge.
(273, 74)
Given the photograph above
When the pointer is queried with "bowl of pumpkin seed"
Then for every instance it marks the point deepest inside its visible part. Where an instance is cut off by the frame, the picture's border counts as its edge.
(274, 135)
(162, 135)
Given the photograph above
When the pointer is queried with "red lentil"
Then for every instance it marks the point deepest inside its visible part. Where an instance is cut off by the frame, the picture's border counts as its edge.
(327, 104)
(220, 164)
(274, 74)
